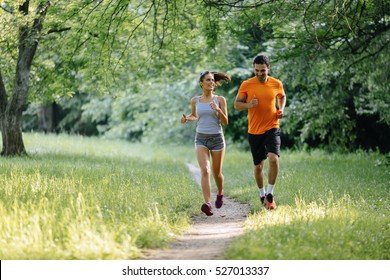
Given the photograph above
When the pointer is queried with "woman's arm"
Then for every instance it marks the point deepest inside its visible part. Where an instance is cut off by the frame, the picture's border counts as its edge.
(193, 116)
(222, 110)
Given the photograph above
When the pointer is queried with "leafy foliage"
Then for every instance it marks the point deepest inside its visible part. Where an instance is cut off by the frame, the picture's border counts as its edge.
(324, 51)
(128, 57)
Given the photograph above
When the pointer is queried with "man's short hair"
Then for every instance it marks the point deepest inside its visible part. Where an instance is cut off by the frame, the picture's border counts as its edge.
(261, 59)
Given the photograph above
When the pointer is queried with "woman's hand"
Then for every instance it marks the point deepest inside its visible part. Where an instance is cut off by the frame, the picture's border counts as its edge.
(214, 106)
(183, 119)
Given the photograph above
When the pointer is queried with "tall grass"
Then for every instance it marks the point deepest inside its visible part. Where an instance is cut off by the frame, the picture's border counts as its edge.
(79, 198)
(329, 207)
(88, 198)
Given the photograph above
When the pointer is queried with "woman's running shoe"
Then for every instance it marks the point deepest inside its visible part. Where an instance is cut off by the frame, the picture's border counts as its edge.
(219, 201)
(207, 209)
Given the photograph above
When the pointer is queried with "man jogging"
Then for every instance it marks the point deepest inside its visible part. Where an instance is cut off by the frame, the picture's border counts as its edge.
(258, 95)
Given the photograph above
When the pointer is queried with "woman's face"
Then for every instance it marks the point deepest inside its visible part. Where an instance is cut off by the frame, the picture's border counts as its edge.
(208, 82)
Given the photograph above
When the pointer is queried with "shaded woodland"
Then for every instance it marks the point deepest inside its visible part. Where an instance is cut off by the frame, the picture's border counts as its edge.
(125, 69)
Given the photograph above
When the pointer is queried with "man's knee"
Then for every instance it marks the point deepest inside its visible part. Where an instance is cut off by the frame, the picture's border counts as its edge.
(259, 167)
(273, 158)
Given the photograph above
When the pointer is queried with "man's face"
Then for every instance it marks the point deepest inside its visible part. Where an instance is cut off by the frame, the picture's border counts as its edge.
(261, 72)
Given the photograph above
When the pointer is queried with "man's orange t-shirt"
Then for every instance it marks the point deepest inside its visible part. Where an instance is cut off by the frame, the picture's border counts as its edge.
(263, 117)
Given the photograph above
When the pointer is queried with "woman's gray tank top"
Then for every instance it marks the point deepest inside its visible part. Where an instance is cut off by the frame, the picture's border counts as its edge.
(208, 121)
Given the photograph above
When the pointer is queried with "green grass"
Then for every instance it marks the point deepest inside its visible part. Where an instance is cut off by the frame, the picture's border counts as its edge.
(329, 207)
(78, 198)
(87, 198)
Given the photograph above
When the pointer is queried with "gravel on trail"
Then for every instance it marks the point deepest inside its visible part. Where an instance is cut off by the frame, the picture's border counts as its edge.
(208, 237)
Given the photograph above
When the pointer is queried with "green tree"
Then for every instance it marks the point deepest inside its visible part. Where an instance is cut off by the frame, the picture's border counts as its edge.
(84, 45)
(25, 28)
(336, 63)
(128, 52)
(333, 58)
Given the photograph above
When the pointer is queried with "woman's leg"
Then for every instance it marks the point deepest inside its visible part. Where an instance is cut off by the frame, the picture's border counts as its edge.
(217, 161)
(203, 156)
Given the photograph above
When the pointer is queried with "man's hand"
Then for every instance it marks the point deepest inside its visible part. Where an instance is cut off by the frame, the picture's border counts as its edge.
(279, 114)
(254, 102)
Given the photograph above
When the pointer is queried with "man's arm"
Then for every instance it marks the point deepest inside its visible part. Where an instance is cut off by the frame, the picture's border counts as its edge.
(241, 104)
(282, 104)
(282, 101)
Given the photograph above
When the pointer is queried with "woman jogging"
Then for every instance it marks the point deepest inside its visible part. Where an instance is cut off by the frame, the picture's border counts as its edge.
(210, 111)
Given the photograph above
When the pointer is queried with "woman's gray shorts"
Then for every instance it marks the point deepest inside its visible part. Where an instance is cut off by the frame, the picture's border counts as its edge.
(213, 142)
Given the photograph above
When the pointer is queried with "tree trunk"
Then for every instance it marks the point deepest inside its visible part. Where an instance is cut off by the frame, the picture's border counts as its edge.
(48, 118)
(12, 137)
(11, 108)
(12, 118)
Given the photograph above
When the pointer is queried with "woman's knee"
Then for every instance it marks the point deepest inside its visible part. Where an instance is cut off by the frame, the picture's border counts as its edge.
(205, 170)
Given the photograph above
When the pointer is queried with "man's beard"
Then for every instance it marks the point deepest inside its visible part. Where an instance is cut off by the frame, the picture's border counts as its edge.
(262, 78)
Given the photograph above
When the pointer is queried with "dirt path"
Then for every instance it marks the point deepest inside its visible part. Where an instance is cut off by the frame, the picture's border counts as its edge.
(208, 237)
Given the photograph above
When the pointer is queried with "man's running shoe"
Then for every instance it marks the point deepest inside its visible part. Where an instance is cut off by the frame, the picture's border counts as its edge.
(219, 201)
(262, 200)
(207, 209)
(270, 202)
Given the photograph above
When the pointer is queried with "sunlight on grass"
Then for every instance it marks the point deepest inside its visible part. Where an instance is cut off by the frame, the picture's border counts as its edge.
(314, 231)
(81, 198)
(329, 207)
(301, 211)
(87, 198)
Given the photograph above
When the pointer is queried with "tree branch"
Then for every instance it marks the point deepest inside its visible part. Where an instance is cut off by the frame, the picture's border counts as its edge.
(3, 97)
(37, 27)
(235, 4)
(58, 30)
(7, 11)
(367, 56)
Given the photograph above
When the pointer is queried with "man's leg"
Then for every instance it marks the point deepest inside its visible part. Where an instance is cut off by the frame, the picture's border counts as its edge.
(273, 168)
(259, 174)
(272, 175)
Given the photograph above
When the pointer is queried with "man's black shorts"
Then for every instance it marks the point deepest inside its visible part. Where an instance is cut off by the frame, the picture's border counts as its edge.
(262, 144)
